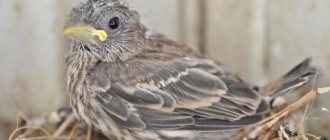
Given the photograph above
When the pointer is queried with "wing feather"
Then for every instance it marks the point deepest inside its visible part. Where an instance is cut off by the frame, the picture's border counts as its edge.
(132, 122)
(169, 92)
(138, 97)
(169, 102)
(155, 118)
(224, 123)
(113, 106)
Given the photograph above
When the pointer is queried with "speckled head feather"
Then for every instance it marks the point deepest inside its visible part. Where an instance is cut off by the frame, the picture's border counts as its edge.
(107, 1)
(125, 33)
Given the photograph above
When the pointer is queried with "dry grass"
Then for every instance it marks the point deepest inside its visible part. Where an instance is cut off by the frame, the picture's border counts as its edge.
(271, 128)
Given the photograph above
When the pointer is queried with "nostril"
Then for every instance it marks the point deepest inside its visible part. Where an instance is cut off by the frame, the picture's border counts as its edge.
(85, 20)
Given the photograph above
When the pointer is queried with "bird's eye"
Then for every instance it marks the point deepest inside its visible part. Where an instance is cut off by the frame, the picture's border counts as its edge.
(114, 23)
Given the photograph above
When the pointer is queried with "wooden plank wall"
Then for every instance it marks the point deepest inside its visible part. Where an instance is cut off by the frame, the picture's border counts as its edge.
(31, 65)
(259, 39)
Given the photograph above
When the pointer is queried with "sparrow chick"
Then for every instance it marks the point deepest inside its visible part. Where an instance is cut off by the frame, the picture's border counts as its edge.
(130, 85)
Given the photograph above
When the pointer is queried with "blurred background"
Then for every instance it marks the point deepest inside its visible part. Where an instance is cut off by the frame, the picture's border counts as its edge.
(259, 39)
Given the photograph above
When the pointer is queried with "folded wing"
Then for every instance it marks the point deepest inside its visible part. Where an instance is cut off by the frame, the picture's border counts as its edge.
(163, 91)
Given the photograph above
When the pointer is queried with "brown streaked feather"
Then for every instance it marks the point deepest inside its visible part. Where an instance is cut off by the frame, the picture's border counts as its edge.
(236, 113)
(156, 118)
(233, 107)
(164, 44)
(113, 105)
(209, 128)
(196, 89)
(205, 82)
(160, 115)
(207, 113)
(139, 97)
(217, 125)
(132, 122)
(167, 91)
(224, 123)
(169, 102)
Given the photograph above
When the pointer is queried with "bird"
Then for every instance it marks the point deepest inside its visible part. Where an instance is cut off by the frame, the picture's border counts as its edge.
(131, 84)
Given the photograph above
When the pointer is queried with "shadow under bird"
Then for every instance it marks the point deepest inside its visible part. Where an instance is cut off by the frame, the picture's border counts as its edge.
(130, 84)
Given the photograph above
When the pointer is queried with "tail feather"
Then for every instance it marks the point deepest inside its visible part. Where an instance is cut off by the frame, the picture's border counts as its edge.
(295, 83)
(295, 78)
(301, 69)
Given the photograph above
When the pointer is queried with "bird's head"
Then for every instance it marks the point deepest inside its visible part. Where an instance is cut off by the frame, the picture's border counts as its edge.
(106, 28)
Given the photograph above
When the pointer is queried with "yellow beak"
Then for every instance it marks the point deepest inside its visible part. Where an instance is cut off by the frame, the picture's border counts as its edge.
(83, 32)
